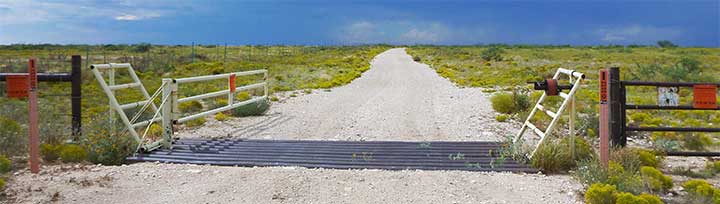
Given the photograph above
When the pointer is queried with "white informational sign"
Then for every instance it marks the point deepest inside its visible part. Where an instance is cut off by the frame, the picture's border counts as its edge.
(668, 96)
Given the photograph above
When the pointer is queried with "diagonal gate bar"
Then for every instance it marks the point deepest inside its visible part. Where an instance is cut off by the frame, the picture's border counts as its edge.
(388, 155)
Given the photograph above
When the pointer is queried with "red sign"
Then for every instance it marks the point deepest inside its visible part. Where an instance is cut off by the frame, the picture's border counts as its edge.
(231, 83)
(603, 86)
(705, 96)
(17, 86)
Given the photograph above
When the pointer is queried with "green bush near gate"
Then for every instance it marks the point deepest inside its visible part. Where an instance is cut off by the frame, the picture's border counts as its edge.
(510, 103)
(502, 117)
(555, 155)
(50, 152)
(73, 153)
(5, 164)
(104, 146)
(196, 122)
(601, 194)
(252, 109)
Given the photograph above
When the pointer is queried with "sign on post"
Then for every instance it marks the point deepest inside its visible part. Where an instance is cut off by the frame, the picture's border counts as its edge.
(668, 96)
(705, 96)
(17, 86)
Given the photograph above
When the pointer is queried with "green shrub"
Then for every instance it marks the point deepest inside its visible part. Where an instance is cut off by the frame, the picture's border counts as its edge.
(221, 117)
(252, 109)
(648, 158)
(713, 167)
(416, 58)
(50, 152)
(11, 137)
(697, 141)
(492, 54)
(601, 194)
(73, 153)
(651, 199)
(556, 156)
(274, 98)
(502, 117)
(590, 171)
(195, 123)
(5, 164)
(105, 147)
(2, 184)
(155, 132)
(510, 103)
(654, 179)
(629, 198)
(700, 191)
(242, 96)
(626, 181)
(192, 106)
(627, 157)
(666, 44)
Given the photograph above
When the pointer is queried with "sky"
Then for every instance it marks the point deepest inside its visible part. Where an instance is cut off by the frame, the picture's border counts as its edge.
(238, 22)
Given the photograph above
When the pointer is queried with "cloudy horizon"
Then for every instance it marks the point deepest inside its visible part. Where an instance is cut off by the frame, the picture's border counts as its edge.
(687, 23)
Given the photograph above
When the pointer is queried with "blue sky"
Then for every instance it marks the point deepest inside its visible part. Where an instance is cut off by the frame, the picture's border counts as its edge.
(578, 22)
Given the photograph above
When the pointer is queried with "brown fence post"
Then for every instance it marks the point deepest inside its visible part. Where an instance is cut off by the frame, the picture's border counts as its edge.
(34, 140)
(604, 120)
(617, 110)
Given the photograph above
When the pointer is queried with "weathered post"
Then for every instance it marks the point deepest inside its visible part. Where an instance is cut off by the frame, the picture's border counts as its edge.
(76, 95)
(617, 111)
(33, 118)
(604, 120)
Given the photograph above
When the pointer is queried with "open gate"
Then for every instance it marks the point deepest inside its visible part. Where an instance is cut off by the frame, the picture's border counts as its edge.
(704, 98)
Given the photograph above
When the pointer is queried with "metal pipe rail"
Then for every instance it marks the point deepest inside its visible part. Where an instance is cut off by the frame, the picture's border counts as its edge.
(109, 88)
(171, 112)
(618, 123)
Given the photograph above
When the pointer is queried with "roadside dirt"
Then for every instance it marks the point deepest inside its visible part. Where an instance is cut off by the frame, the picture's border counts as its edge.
(397, 99)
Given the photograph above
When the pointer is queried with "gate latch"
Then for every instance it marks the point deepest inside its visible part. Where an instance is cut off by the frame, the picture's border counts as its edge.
(550, 86)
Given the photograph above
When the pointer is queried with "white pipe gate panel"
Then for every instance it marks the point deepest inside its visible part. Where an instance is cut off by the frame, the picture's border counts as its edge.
(575, 79)
(168, 112)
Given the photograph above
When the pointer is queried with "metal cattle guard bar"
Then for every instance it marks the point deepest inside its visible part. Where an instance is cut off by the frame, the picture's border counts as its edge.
(569, 100)
(171, 112)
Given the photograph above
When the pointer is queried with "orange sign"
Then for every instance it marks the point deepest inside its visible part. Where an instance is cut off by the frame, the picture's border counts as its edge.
(603, 86)
(231, 83)
(17, 86)
(705, 96)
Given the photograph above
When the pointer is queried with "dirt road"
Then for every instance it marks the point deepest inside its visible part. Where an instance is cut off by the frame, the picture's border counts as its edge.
(397, 99)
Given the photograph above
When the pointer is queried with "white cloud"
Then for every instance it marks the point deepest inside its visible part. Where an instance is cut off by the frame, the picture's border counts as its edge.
(636, 34)
(134, 17)
(408, 32)
(126, 17)
(31, 11)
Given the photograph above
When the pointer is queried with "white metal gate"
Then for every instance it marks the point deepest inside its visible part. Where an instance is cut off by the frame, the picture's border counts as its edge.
(168, 111)
(569, 100)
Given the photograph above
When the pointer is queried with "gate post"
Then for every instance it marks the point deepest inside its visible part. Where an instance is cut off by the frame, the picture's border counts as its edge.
(167, 113)
(33, 118)
(604, 121)
(76, 96)
(617, 109)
